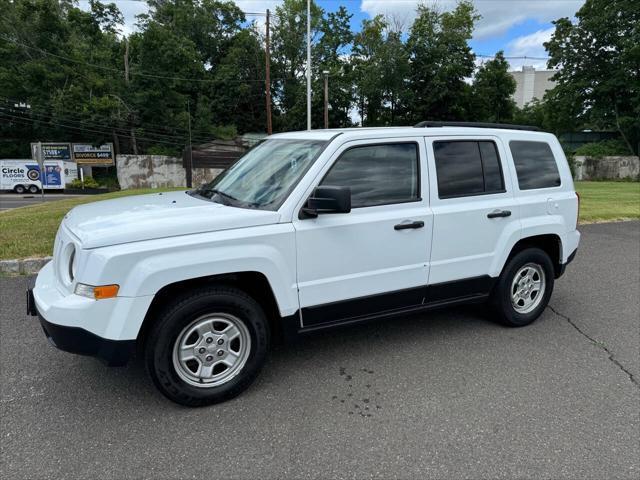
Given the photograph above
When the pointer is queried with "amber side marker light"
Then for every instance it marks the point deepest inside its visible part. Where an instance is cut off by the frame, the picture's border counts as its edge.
(100, 292)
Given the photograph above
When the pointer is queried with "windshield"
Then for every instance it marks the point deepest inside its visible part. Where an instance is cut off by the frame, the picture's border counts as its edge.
(265, 175)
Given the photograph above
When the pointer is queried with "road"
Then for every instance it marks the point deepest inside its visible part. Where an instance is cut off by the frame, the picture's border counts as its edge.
(444, 395)
(12, 200)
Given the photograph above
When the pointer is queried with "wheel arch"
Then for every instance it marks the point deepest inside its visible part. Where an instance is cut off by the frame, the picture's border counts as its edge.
(254, 283)
(550, 243)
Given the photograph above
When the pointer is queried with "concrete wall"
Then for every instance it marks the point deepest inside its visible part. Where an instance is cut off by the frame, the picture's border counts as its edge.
(591, 168)
(154, 171)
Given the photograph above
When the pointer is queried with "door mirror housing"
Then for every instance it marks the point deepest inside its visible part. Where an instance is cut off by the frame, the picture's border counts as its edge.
(327, 199)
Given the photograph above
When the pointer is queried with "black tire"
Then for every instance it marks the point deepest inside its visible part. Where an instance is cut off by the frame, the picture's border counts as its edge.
(33, 189)
(501, 302)
(19, 189)
(160, 342)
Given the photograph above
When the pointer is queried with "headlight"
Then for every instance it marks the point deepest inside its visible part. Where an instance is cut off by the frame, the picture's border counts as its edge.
(96, 293)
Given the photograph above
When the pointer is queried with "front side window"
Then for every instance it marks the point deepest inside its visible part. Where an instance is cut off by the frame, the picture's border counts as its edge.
(467, 167)
(265, 175)
(535, 165)
(377, 174)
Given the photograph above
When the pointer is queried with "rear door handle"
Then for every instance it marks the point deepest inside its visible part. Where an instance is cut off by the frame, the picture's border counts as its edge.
(499, 213)
(406, 226)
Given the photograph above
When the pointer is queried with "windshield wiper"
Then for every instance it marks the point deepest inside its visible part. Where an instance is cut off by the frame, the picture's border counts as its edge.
(210, 192)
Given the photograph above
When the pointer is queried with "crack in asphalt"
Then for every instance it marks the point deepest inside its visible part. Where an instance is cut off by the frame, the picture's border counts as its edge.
(600, 345)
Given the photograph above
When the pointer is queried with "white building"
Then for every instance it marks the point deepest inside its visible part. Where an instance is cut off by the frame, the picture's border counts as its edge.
(530, 84)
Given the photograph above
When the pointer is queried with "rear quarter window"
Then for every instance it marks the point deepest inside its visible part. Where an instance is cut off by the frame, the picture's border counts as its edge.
(535, 165)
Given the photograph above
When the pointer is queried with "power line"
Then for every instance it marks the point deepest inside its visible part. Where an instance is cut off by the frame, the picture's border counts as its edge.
(132, 72)
(12, 101)
(120, 131)
(84, 130)
(106, 130)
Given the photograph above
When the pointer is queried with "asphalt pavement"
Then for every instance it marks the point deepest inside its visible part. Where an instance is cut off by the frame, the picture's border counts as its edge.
(447, 394)
(9, 201)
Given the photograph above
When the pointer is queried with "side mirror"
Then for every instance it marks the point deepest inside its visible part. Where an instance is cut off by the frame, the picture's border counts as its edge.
(327, 200)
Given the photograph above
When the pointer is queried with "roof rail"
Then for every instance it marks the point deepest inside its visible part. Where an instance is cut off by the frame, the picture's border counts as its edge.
(505, 126)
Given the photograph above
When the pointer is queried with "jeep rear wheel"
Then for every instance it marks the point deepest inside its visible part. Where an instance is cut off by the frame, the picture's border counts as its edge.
(208, 346)
(524, 288)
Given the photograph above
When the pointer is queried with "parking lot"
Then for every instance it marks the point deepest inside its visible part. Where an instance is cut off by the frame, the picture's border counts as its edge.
(447, 394)
(9, 201)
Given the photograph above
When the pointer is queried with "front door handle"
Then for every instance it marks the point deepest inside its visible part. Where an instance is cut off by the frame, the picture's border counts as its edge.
(406, 226)
(499, 213)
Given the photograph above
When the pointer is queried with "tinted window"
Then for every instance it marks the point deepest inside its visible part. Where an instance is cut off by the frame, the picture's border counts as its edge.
(467, 167)
(535, 165)
(377, 174)
(493, 181)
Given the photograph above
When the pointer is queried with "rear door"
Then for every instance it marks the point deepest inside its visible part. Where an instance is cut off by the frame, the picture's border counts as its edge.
(474, 211)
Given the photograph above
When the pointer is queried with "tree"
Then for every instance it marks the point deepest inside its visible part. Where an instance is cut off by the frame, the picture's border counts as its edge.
(381, 68)
(209, 24)
(57, 76)
(366, 61)
(493, 88)
(395, 70)
(330, 54)
(598, 62)
(239, 86)
(441, 60)
(533, 113)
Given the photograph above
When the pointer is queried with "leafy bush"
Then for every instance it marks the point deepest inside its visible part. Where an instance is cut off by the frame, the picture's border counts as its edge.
(225, 132)
(107, 177)
(89, 182)
(603, 149)
(163, 150)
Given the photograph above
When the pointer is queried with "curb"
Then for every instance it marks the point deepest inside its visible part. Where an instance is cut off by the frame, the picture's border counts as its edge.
(23, 266)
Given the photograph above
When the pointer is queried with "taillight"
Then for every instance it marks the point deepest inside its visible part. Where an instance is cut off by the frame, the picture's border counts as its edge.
(578, 216)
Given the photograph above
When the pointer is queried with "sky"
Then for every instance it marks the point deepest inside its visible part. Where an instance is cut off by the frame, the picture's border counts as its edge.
(519, 27)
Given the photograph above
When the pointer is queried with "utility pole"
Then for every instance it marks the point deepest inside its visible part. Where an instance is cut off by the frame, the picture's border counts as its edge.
(268, 78)
(43, 172)
(326, 98)
(134, 144)
(189, 162)
(308, 64)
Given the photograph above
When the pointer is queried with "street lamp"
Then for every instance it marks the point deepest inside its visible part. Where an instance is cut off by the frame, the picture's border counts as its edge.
(326, 98)
(308, 64)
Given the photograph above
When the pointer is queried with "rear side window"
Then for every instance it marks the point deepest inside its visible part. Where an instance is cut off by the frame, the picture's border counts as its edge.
(535, 165)
(377, 174)
(467, 167)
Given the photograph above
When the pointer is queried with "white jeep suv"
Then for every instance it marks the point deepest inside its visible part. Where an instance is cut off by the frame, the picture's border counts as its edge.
(310, 230)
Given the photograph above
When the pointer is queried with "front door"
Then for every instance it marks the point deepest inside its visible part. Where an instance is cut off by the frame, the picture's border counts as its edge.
(375, 258)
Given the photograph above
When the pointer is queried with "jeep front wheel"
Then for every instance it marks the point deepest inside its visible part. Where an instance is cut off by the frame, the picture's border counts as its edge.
(208, 346)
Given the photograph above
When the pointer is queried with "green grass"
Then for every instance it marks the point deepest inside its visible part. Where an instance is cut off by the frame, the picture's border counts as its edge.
(608, 201)
(30, 231)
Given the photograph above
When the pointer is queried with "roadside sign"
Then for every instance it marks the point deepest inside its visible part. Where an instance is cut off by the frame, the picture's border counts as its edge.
(52, 151)
(86, 154)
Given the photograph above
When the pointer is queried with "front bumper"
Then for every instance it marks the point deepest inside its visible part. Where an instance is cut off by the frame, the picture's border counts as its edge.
(114, 353)
(106, 329)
